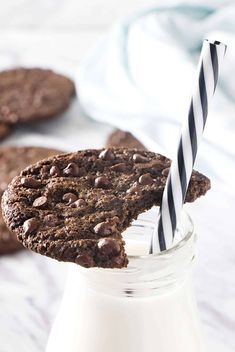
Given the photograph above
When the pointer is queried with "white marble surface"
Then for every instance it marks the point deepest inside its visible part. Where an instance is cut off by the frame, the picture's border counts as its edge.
(57, 33)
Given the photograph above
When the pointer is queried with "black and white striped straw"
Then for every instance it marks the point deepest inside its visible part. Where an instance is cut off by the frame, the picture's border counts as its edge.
(182, 165)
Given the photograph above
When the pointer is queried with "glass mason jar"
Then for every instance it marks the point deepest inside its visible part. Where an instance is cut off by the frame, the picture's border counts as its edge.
(147, 307)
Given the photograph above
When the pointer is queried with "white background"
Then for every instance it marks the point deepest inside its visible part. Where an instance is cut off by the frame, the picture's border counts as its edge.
(49, 32)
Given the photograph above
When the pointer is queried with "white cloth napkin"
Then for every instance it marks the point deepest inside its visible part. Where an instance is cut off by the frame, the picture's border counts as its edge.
(141, 75)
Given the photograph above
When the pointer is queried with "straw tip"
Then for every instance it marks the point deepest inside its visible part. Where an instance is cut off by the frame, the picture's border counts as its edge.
(215, 42)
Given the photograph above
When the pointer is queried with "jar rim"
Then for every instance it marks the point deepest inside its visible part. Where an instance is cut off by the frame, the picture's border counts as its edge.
(176, 247)
(151, 258)
(173, 259)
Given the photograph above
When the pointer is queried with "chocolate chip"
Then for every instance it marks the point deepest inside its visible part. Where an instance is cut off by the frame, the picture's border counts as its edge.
(157, 165)
(55, 171)
(107, 154)
(101, 182)
(30, 182)
(79, 203)
(51, 220)
(138, 158)
(69, 198)
(109, 246)
(103, 229)
(134, 189)
(40, 202)
(30, 226)
(165, 171)
(85, 260)
(146, 179)
(121, 167)
(71, 170)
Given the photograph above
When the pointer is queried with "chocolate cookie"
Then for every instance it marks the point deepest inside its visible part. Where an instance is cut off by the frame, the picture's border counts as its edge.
(74, 207)
(12, 161)
(8, 240)
(119, 138)
(33, 94)
(5, 129)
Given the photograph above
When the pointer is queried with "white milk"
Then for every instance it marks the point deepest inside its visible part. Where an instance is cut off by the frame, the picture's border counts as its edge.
(148, 307)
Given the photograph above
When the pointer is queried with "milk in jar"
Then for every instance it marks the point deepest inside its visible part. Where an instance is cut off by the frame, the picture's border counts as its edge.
(147, 307)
